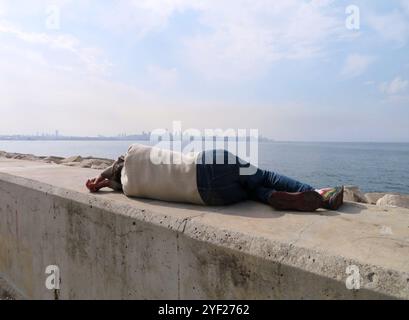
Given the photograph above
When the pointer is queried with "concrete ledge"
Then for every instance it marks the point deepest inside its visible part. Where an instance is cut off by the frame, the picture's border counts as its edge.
(108, 246)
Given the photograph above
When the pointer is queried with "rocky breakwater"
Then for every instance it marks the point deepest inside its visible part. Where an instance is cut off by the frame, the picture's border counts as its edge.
(75, 161)
(381, 199)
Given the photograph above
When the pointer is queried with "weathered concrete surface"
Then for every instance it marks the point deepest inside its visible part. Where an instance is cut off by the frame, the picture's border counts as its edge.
(8, 292)
(110, 246)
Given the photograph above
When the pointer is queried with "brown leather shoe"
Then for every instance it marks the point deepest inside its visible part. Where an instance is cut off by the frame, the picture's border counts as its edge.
(299, 201)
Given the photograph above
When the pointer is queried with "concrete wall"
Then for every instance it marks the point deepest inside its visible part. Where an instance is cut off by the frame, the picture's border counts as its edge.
(111, 247)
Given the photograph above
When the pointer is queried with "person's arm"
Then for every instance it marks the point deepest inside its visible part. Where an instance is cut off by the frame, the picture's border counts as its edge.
(107, 173)
(110, 177)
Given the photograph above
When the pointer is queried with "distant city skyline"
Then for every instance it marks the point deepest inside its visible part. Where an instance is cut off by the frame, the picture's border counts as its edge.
(316, 70)
(121, 136)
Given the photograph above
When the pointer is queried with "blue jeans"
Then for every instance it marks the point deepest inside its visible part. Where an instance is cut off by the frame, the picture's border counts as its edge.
(220, 182)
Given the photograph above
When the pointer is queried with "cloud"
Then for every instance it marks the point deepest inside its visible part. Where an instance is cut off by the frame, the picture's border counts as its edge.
(162, 77)
(245, 38)
(46, 99)
(393, 26)
(405, 5)
(56, 79)
(88, 56)
(40, 98)
(142, 17)
(234, 38)
(356, 64)
(2, 9)
(394, 87)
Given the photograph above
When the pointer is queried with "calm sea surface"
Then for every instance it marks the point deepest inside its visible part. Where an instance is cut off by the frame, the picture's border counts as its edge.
(372, 166)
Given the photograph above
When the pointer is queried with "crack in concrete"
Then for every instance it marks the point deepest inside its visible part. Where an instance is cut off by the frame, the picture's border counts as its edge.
(184, 222)
(121, 235)
(292, 244)
(301, 232)
(178, 251)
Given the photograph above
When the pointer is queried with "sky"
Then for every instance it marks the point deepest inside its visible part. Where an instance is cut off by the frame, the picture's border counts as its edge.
(296, 70)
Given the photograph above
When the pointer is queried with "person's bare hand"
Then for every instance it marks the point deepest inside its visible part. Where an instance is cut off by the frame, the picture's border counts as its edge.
(91, 184)
(95, 184)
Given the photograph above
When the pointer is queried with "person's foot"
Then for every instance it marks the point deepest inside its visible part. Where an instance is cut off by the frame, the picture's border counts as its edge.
(333, 198)
(299, 201)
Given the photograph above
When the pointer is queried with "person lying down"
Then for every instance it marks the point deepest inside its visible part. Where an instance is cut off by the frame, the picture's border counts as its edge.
(218, 182)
